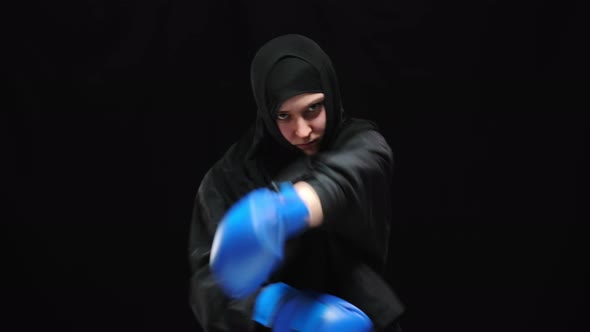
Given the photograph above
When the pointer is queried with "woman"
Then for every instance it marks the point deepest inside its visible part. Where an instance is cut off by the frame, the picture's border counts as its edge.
(337, 168)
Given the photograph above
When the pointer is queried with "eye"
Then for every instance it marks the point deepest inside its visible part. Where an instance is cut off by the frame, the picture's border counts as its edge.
(314, 107)
(282, 116)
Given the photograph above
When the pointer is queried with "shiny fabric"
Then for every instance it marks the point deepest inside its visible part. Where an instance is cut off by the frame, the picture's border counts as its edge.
(352, 173)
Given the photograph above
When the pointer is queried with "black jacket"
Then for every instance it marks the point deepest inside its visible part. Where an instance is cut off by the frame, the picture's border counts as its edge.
(346, 255)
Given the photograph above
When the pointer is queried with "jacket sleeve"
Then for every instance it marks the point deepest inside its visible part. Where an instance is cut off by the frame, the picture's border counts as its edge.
(353, 184)
(213, 309)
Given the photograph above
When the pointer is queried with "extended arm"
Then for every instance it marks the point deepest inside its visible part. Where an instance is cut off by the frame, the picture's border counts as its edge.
(352, 185)
(312, 201)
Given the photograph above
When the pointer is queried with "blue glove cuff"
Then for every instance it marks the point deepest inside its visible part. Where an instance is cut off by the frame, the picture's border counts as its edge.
(270, 300)
(294, 211)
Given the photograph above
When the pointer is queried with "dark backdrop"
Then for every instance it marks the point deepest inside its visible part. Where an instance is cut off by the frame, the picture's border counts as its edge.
(123, 106)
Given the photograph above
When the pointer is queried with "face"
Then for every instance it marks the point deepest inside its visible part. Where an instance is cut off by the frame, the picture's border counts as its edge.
(302, 121)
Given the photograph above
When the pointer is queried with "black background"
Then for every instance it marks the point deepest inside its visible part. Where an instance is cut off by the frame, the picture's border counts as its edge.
(124, 105)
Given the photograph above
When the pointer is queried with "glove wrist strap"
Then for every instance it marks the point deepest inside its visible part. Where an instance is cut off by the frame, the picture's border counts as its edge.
(294, 211)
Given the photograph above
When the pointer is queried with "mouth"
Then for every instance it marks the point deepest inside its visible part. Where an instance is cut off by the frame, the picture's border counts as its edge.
(308, 145)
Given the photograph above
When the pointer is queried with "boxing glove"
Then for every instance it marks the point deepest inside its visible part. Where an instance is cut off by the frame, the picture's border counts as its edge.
(285, 309)
(249, 242)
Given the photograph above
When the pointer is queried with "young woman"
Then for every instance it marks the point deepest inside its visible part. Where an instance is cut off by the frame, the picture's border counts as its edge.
(290, 227)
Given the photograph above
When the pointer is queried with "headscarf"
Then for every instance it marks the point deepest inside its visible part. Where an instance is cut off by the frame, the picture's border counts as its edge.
(283, 67)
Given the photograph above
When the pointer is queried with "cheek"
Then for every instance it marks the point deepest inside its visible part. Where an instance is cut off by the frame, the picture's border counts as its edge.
(284, 129)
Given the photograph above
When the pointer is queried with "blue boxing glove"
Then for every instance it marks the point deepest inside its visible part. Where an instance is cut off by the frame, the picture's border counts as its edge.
(249, 242)
(285, 309)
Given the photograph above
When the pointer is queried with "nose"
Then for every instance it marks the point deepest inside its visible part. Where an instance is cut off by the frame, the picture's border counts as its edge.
(303, 128)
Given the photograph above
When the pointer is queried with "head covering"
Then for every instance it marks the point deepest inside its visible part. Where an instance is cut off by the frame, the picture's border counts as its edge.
(289, 77)
(283, 67)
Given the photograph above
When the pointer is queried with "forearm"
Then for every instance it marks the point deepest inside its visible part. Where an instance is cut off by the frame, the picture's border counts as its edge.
(312, 201)
(353, 188)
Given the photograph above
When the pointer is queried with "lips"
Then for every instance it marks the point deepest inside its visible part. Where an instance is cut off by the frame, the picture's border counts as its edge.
(307, 144)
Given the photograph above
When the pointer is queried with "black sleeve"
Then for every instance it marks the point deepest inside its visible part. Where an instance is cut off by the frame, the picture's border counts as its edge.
(214, 310)
(353, 184)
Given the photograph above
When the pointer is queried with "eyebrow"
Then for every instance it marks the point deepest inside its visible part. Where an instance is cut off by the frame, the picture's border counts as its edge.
(315, 101)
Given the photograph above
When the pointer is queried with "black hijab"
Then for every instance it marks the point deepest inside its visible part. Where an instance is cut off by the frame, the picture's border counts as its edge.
(283, 67)
(311, 68)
